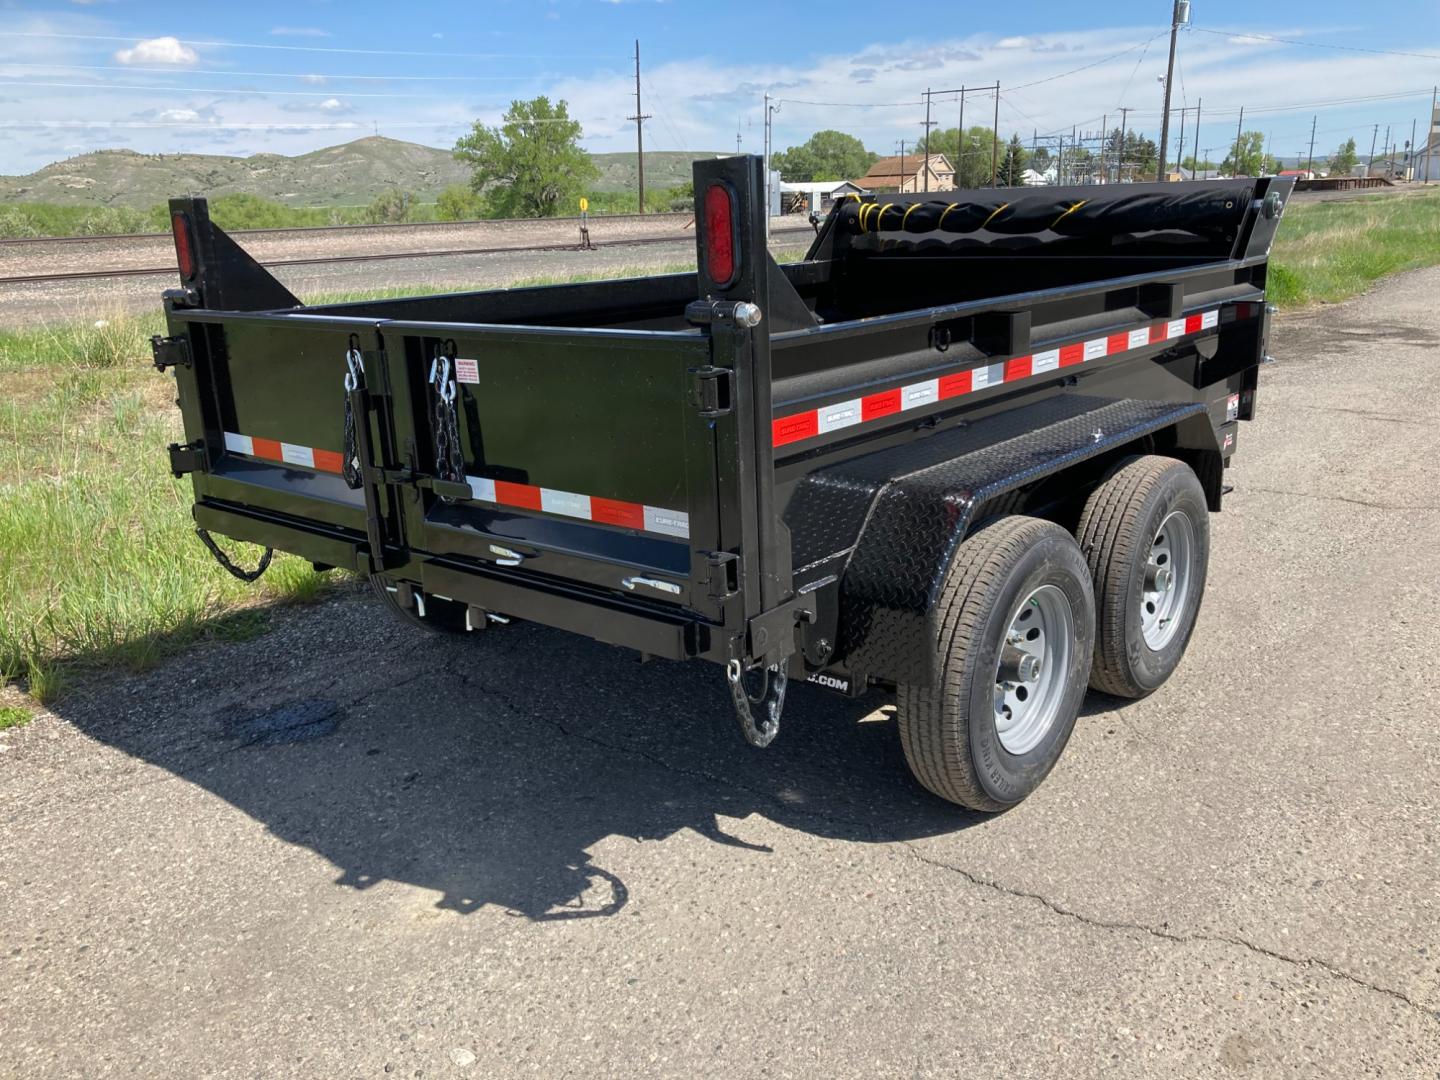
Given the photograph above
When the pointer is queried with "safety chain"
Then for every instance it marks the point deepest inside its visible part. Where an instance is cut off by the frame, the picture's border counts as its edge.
(354, 379)
(224, 560)
(449, 463)
(771, 699)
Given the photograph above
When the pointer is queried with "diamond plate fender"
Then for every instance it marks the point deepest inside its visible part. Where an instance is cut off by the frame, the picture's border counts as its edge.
(893, 519)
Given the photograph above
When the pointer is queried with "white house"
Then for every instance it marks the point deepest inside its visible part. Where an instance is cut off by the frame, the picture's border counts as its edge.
(816, 195)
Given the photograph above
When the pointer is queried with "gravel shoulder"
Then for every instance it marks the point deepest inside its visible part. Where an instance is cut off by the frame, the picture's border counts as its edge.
(521, 853)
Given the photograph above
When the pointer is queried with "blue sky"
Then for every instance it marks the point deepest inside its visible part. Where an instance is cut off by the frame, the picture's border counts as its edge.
(255, 77)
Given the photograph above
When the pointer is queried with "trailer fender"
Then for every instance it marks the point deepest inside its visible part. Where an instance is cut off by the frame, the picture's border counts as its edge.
(917, 517)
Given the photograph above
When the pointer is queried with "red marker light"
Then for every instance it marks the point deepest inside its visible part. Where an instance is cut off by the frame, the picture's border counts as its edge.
(180, 226)
(720, 235)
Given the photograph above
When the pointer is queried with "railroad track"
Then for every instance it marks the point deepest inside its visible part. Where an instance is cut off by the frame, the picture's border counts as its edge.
(152, 271)
(283, 230)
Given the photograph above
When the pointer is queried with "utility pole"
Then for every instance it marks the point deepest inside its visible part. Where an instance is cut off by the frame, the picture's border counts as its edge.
(1310, 163)
(1238, 126)
(1370, 165)
(640, 117)
(1198, 103)
(927, 139)
(960, 143)
(995, 141)
(1385, 147)
(1120, 151)
(1104, 148)
(1178, 18)
(1430, 126)
(770, 111)
(902, 166)
(1180, 150)
(1410, 152)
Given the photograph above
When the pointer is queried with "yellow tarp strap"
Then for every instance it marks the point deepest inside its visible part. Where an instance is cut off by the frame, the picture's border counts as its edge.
(1067, 213)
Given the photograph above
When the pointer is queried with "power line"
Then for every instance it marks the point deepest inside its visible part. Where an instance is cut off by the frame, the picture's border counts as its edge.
(1312, 44)
(1087, 67)
(304, 77)
(159, 87)
(314, 48)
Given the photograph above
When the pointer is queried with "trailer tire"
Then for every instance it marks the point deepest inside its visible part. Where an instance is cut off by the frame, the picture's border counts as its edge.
(1149, 517)
(441, 616)
(1002, 575)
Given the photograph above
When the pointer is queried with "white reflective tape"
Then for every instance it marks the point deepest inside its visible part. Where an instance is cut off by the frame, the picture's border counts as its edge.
(981, 377)
(481, 488)
(1209, 320)
(1138, 338)
(921, 393)
(239, 444)
(669, 522)
(840, 415)
(1095, 348)
(297, 455)
(1045, 361)
(1175, 328)
(565, 502)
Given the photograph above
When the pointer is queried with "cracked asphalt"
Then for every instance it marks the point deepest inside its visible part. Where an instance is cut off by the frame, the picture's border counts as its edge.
(521, 853)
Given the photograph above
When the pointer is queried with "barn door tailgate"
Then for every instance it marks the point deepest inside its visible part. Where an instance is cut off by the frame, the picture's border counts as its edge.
(265, 405)
(580, 455)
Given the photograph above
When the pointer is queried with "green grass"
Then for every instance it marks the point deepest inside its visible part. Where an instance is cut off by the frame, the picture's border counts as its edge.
(13, 716)
(1328, 251)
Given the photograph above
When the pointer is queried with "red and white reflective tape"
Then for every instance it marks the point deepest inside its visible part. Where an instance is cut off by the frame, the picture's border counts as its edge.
(811, 423)
(307, 457)
(628, 515)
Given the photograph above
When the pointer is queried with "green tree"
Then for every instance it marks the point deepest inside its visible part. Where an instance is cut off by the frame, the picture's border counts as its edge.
(1247, 155)
(457, 203)
(1013, 163)
(1344, 160)
(826, 155)
(389, 207)
(972, 164)
(532, 165)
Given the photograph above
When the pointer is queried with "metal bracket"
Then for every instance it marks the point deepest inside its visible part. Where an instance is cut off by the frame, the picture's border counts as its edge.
(170, 351)
(724, 576)
(714, 390)
(772, 633)
(187, 458)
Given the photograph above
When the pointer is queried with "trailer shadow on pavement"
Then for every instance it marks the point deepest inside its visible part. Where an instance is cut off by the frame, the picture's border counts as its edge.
(487, 768)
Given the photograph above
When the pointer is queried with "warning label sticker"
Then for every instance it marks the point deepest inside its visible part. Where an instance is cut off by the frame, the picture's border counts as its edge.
(467, 370)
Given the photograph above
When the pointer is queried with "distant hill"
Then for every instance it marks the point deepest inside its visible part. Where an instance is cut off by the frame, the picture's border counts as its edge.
(350, 174)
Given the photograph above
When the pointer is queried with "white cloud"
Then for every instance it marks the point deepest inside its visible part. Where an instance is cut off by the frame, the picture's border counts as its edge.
(179, 115)
(317, 80)
(298, 31)
(333, 105)
(161, 50)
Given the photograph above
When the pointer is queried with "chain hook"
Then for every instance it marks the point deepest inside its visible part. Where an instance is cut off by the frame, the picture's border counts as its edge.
(771, 701)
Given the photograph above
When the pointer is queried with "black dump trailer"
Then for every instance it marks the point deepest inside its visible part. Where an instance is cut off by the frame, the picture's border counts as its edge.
(964, 451)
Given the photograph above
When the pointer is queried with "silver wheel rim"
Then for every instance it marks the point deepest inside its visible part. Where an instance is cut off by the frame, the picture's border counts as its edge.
(1033, 670)
(1165, 591)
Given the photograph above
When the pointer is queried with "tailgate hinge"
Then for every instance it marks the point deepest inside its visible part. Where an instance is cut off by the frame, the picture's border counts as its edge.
(170, 351)
(187, 458)
(714, 390)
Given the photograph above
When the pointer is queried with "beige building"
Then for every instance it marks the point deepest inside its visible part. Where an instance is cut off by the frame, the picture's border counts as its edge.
(906, 173)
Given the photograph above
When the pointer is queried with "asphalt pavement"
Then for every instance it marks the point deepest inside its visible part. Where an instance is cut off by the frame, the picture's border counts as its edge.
(349, 848)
